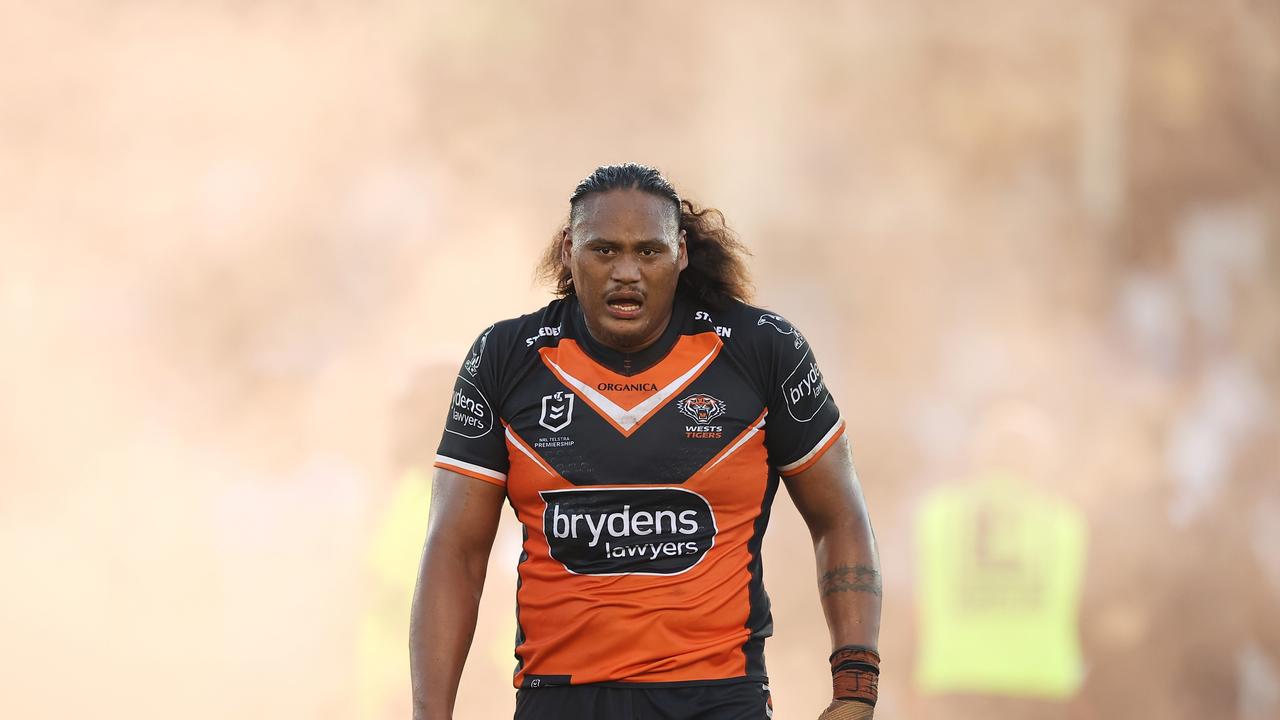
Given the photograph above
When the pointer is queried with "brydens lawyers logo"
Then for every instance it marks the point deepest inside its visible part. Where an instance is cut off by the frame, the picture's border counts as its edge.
(805, 390)
(557, 411)
(470, 416)
(627, 531)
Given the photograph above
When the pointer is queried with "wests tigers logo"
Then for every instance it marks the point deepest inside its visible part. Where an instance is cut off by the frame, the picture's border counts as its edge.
(701, 408)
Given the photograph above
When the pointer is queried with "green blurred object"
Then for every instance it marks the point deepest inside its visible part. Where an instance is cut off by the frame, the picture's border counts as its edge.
(1001, 565)
(392, 572)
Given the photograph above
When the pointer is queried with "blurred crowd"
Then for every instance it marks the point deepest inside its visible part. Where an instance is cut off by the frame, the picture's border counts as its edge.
(244, 246)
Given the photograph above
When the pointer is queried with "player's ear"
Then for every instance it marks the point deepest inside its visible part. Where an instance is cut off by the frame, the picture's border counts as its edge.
(566, 245)
(683, 259)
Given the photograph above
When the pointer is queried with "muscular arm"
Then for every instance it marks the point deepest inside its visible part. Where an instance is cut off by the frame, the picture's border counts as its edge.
(830, 500)
(460, 531)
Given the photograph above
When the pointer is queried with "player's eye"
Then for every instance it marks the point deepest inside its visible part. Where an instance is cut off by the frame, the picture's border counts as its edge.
(649, 252)
(604, 250)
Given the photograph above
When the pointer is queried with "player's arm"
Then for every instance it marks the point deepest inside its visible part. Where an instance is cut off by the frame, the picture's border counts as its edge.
(463, 521)
(830, 500)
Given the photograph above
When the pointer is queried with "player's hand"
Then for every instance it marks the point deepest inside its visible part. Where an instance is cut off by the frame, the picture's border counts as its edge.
(846, 710)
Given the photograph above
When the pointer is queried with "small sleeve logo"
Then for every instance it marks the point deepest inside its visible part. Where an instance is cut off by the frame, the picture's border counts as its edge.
(805, 390)
(782, 326)
(472, 364)
(470, 414)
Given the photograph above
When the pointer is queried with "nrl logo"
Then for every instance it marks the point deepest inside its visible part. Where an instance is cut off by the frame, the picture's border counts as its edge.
(557, 411)
(700, 408)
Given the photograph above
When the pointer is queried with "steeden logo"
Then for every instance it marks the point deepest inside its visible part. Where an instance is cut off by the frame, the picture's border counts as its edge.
(557, 411)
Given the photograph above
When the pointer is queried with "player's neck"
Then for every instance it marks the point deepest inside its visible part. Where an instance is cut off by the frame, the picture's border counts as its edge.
(628, 360)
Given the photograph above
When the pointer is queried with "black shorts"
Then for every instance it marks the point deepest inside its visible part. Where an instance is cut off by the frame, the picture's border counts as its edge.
(729, 701)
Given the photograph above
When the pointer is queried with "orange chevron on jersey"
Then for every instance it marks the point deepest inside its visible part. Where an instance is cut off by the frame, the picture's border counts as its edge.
(627, 401)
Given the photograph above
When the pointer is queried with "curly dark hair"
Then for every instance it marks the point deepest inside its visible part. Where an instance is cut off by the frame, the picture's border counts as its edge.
(717, 272)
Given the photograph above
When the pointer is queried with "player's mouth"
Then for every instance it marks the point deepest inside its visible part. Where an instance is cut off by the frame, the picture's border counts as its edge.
(624, 305)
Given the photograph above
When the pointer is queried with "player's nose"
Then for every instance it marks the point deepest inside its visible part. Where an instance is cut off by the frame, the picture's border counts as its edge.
(626, 269)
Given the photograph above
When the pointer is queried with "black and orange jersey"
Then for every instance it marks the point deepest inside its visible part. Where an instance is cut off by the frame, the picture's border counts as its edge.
(643, 483)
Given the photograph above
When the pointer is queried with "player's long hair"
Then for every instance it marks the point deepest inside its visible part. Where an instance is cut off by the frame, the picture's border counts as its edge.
(716, 273)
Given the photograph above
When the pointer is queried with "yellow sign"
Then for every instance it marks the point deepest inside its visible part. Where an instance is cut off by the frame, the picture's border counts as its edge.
(1001, 566)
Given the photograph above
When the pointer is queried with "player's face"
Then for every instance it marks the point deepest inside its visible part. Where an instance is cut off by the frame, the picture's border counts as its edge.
(625, 251)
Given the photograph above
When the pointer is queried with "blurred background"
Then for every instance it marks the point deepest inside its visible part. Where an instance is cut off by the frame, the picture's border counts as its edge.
(244, 246)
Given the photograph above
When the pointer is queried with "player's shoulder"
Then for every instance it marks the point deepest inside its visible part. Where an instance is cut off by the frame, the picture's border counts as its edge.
(512, 338)
(526, 332)
(744, 324)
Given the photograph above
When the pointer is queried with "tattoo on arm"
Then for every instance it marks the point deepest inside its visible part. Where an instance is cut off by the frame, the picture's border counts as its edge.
(850, 578)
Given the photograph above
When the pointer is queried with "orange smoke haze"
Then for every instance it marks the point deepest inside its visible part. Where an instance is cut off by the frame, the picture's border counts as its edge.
(244, 246)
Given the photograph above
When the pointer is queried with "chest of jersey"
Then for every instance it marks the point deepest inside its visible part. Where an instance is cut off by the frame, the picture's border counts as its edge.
(592, 426)
(635, 475)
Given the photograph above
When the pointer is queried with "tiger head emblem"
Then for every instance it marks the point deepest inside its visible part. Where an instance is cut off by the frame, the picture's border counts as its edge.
(701, 408)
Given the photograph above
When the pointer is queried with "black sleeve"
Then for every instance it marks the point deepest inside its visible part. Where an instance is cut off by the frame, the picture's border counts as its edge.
(473, 442)
(803, 419)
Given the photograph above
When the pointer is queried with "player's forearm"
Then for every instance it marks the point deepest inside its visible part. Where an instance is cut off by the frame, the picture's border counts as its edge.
(849, 583)
(441, 626)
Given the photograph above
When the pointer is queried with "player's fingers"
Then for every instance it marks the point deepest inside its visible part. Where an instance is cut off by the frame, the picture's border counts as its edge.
(847, 711)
